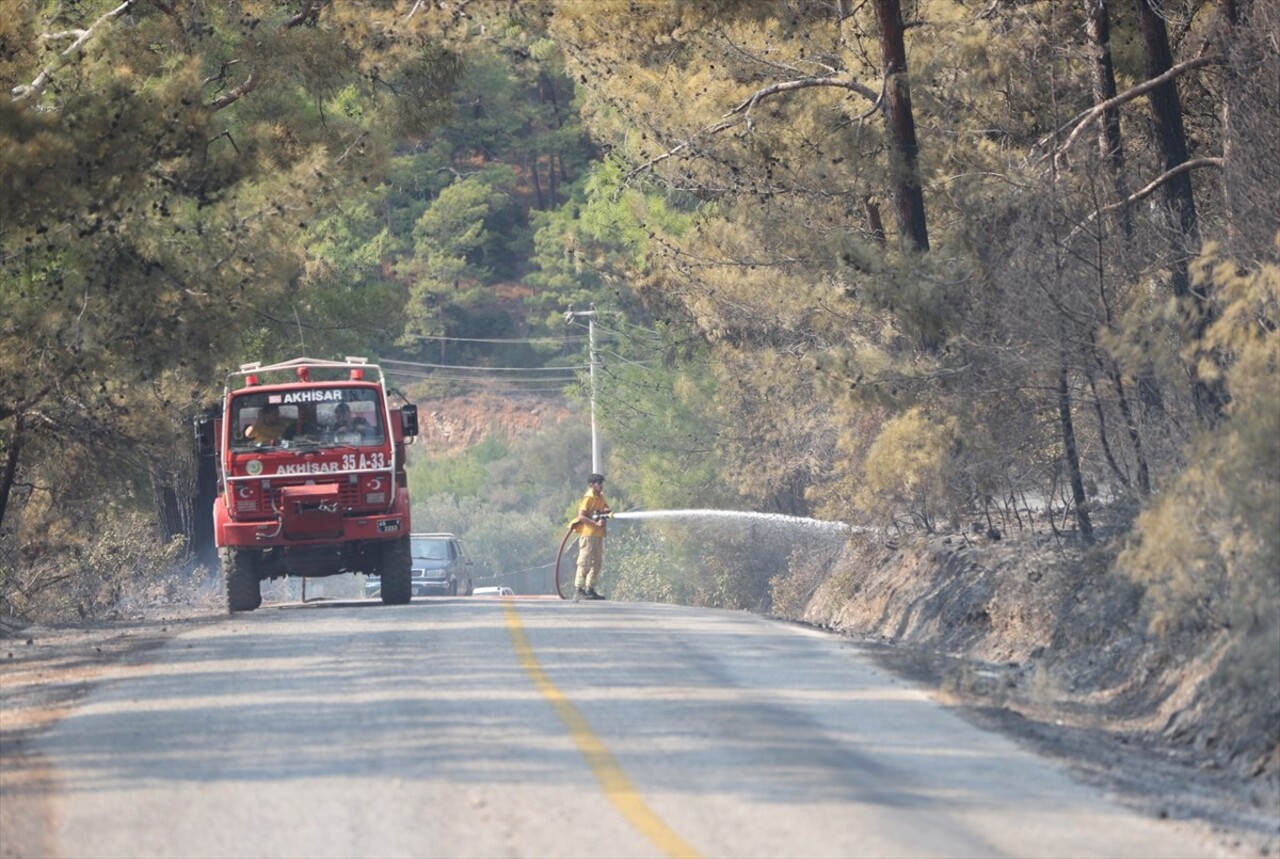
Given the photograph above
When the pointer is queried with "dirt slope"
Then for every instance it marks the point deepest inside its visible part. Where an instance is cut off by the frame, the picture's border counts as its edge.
(456, 423)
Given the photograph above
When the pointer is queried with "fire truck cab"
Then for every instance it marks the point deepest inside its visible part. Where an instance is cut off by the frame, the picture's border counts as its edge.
(311, 477)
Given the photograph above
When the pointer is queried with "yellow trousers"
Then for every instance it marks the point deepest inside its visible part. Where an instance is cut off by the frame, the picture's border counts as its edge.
(590, 557)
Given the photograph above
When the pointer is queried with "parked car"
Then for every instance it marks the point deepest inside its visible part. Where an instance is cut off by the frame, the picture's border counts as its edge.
(500, 591)
(441, 567)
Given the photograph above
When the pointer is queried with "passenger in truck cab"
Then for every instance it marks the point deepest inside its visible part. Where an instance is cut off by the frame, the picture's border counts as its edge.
(270, 427)
(344, 423)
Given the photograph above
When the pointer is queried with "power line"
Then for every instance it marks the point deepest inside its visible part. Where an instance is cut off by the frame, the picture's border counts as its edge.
(559, 339)
(450, 377)
(512, 383)
(484, 369)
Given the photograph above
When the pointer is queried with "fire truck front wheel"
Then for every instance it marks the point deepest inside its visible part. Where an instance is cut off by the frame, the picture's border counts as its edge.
(397, 572)
(244, 589)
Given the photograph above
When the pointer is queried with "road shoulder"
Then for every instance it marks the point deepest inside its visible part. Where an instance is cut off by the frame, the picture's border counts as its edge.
(44, 671)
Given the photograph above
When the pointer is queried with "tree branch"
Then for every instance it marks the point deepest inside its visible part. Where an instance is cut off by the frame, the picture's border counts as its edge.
(37, 86)
(249, 85)
(311, 12)
(343, 157)
(805, 83)
(746, 107)
(1085, 119)
(1147, 190)
(309, 15)
(222, 72)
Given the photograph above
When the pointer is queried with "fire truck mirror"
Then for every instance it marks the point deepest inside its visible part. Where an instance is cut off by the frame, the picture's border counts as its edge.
(409, 420)
(203, 426)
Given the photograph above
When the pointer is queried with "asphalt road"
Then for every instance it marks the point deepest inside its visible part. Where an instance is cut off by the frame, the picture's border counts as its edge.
(535, 727)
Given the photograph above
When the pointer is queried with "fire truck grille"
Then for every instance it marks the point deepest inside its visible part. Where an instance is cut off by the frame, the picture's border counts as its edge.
(349, 499)
(348, 494)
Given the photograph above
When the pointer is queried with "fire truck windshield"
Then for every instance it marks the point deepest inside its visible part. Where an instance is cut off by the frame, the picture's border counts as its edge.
(310, 417)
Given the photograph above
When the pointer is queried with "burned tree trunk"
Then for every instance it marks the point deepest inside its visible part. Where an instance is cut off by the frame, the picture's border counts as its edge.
(908, 196)
(1072, 456)
(1171, 136)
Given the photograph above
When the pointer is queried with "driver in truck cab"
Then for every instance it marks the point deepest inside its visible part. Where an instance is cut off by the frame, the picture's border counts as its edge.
(270, 426)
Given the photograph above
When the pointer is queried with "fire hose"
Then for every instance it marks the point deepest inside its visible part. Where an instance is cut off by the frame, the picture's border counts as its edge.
(560, 592)
(563, 543)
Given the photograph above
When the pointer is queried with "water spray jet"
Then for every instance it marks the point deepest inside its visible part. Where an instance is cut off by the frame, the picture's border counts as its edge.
(748, 516)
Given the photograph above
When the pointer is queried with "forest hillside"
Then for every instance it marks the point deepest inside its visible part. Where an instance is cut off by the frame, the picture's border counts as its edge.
(1003, 274)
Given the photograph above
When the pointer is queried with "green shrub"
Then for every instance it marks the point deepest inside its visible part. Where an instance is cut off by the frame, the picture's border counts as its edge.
(906, 470)
(637, 568)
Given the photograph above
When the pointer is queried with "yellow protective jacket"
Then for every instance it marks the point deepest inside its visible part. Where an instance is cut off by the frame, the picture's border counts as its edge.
(591, 503)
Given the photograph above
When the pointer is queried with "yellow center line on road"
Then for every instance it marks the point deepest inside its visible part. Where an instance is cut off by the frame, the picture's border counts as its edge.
(617, 787)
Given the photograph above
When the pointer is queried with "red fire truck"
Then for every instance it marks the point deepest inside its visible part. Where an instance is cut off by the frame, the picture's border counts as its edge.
(311, 477)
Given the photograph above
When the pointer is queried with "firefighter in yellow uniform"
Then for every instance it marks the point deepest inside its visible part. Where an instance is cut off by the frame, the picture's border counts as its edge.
(590, 525)
(270, 426)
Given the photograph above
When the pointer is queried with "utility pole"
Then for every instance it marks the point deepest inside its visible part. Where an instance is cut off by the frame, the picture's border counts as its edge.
(590, 315)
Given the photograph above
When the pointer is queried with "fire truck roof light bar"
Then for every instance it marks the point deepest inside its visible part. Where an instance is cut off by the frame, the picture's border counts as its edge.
(352, 362)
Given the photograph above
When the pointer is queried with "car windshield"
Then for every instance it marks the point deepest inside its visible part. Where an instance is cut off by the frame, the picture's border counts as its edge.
(431, 550)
